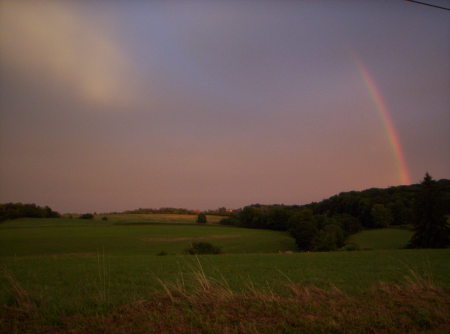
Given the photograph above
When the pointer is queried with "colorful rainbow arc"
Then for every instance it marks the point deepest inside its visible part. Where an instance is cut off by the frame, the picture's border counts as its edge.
(382, 109)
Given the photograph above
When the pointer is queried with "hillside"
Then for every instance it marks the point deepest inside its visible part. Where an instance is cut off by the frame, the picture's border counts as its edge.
(353, 210)
(387, 238)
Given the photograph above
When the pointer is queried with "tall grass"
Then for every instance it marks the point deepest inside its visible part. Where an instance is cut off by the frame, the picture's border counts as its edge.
(103, 280)
(414, 306)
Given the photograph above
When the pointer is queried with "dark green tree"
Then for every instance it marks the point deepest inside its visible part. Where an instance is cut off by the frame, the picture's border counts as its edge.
(303, 228)
(277, 219)
(349, 224)
(431, 229)
(201, 218)
(400, 213)
(381, 216)
(329, 238)
(18, 210)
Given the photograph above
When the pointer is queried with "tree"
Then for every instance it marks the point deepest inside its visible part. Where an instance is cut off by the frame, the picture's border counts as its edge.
(277, 219)
(329, 238)
(431, 229)
(400, 212)
(350, 225)
(381, 216)
(18, 210)
(201, 218)
(232, 220)
(304, 229)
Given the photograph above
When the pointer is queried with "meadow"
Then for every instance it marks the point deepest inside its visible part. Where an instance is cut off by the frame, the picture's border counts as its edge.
(59, 237)
(386, 238)
(88, 267)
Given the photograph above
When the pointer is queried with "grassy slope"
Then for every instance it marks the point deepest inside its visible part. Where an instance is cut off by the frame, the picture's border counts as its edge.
(81, 283)
(387, 238)
(414, 307)
(72, 266)
(30, 237)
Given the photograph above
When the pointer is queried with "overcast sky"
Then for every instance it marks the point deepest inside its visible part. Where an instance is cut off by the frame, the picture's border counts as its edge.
(113, 105)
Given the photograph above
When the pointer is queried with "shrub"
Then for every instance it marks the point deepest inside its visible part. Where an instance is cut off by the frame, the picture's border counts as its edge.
(87, 216)
(201, 218)
(202, 248)
(104, 218)
(351, 247)
(229, 221)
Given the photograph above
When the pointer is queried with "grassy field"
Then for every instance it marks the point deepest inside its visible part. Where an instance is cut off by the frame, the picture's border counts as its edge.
(71, 266)
(387, 238)
(62, 237)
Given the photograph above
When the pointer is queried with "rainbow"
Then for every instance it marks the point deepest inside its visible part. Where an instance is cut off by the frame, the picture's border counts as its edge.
(382, 109)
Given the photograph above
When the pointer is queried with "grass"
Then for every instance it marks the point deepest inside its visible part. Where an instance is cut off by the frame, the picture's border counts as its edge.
(416, 306)
(101, 272)
(63, 237)
(84, 284)
(387, 238)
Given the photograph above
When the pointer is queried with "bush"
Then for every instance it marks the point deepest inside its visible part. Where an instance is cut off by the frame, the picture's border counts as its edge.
(202, 248)
(233, 221)
(87, 216)
(201, 218)
(351, 247)
(105, 218)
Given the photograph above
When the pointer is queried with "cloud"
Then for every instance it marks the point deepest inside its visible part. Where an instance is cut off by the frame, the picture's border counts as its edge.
(56, 40)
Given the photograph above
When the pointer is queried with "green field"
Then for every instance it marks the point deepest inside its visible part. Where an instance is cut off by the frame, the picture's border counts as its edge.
(72, 266)
(387, 238)
(63, 237)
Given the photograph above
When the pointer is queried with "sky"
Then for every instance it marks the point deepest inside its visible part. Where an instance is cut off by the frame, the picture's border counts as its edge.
(114, 105)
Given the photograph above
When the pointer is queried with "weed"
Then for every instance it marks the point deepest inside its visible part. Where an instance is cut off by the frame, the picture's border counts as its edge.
(103, 280)
(19, 297)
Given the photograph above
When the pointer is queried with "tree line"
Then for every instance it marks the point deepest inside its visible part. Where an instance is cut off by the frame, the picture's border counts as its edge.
(222, 211)
(19, 210)
(164, 210)
(326, 224)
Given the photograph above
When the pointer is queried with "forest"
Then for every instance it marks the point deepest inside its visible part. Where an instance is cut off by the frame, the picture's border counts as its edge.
(325, 225)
